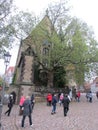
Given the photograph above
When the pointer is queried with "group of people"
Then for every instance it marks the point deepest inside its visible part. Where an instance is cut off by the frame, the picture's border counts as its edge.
(63, 99)
(26, 105)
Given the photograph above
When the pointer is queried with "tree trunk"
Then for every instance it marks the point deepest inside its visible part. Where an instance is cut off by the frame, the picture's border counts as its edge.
(50, 79)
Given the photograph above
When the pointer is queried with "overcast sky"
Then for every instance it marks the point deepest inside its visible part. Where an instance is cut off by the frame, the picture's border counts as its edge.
(86, 10)
(83, 9)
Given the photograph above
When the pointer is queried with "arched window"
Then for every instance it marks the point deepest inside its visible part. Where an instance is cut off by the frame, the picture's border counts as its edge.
(45, 51)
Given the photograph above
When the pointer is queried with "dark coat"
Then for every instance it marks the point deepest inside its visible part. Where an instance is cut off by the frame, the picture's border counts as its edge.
(54, 100)
(27, 108)
(10, 103)
(32, 99)
(14, 96)
(66, 102)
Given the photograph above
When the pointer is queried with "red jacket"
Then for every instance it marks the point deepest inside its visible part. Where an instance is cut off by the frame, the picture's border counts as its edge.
(78, 94)
(49, 97)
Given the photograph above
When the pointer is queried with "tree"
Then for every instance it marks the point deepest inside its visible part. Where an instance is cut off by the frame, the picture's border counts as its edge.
(13, 26)
(66, 40)
(55, 55)
(59, 77)
(23, 23)
(85, 48)
(70, 42)
(5, 31)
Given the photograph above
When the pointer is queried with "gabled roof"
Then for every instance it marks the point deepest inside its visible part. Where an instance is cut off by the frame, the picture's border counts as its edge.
(37, 37)
(40, 32)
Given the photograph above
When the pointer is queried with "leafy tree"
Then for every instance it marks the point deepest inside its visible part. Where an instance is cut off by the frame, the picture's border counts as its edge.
(23, 23)
(71, 41)
(84, 48)
(5, 31)
(14, 25)
(59, 77)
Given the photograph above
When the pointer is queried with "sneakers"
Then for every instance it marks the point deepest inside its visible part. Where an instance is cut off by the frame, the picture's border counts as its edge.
(53, 113)
(31, 125)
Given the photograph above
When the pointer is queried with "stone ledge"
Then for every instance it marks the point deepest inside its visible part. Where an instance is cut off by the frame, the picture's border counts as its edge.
(40, 99)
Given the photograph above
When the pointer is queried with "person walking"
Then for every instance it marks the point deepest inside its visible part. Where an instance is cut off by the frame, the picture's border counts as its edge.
(61, 98)
(22, 99)
(27, 110)
(70, 94)
(10, 105)
(65, 102)
(14, 96)
(78, 94)
(32, 101)
(54, 102)
(90, 96)
(49, 99)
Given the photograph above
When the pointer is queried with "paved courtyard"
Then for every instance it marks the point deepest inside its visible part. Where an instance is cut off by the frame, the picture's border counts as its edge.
(81, 116)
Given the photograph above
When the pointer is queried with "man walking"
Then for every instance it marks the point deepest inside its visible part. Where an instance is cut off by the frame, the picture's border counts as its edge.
(54, 102)
(65, 102)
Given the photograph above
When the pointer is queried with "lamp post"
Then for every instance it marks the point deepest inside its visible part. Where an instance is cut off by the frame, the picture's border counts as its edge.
(7, 58)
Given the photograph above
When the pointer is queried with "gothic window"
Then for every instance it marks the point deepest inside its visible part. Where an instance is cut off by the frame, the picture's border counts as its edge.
(45, 51)
(29, 51)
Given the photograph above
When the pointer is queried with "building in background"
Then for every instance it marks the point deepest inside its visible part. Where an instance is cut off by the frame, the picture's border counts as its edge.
(9, 74)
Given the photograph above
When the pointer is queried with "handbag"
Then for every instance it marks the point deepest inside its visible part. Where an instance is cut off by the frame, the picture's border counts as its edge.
(21, 111)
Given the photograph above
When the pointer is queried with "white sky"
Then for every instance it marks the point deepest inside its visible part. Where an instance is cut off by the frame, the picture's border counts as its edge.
(83, 9)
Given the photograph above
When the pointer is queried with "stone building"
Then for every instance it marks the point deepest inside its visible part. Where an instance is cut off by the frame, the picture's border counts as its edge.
(37, 42)
(24, 76)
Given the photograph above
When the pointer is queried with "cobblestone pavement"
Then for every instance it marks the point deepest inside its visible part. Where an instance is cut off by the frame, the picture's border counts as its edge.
(81, 116)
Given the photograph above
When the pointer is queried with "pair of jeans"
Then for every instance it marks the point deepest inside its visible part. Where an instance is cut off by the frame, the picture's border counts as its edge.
(9, 111)
(65, 111)
(23, 119)
(53, 108)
